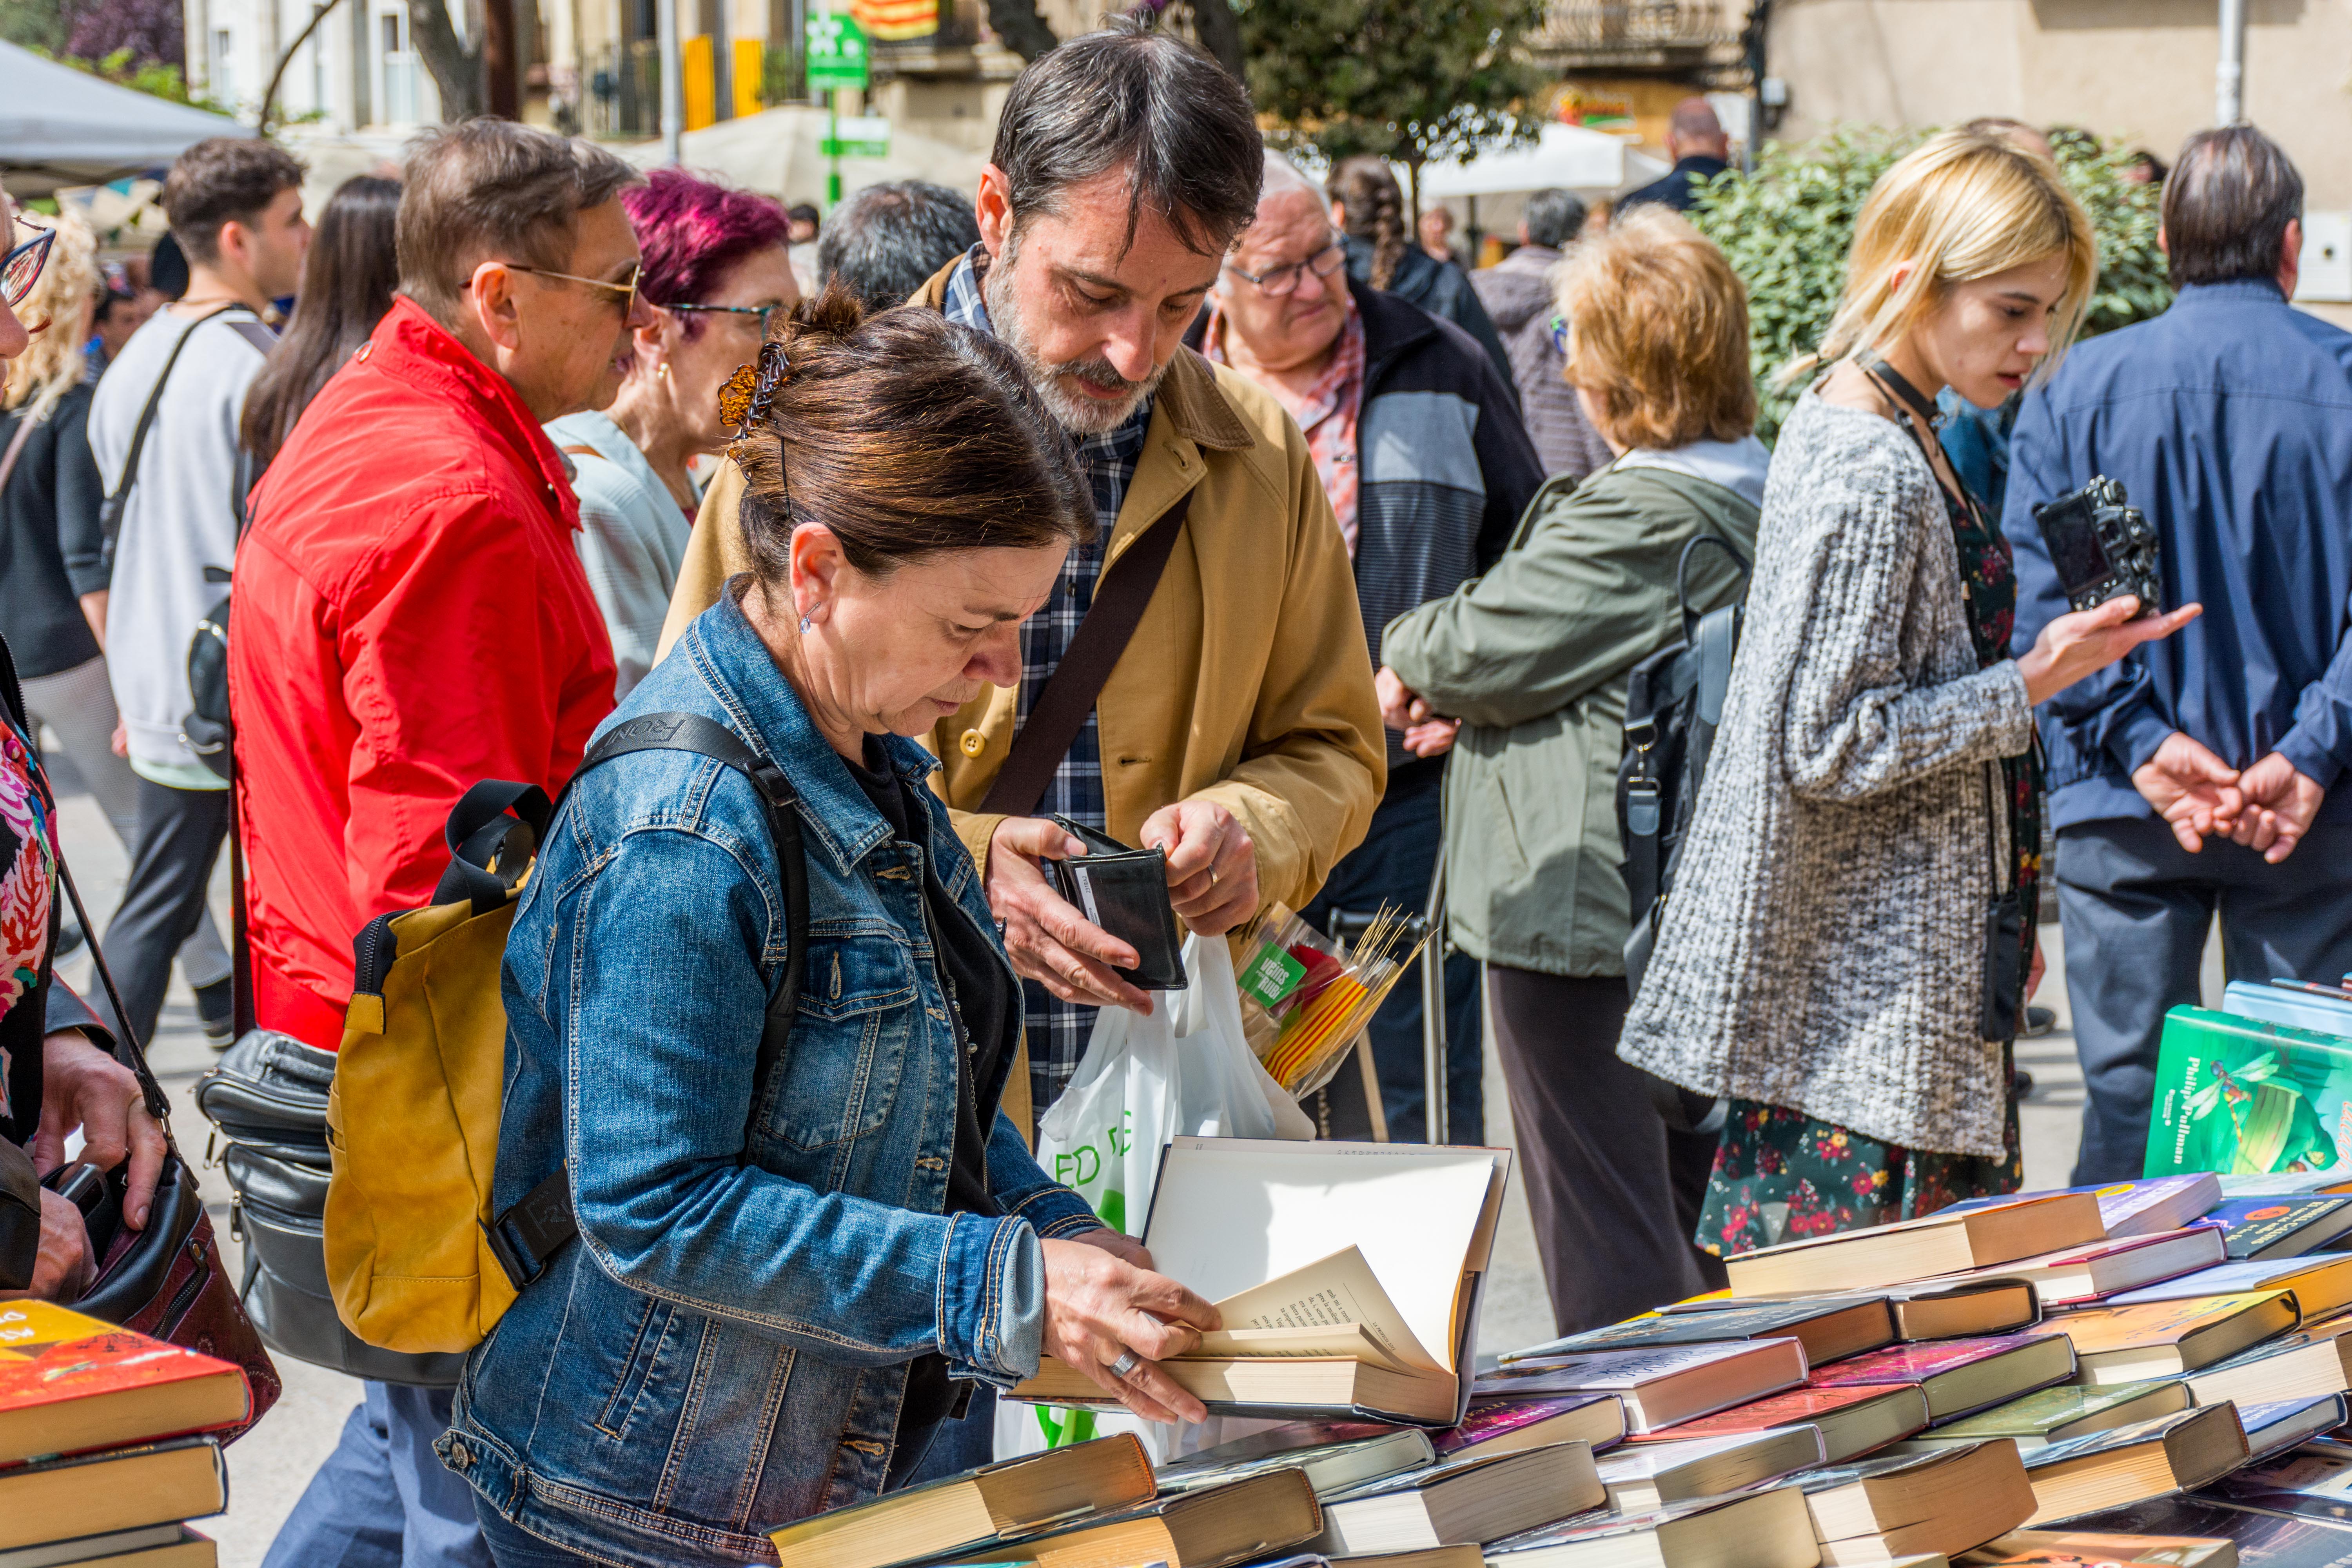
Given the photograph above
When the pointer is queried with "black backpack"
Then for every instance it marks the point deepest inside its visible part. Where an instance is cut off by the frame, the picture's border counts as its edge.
(1674, 705)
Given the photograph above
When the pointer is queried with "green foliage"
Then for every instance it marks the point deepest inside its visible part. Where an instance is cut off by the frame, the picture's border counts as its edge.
(1787, 230)
(36, 24)
(1411, 79)
(148, 76)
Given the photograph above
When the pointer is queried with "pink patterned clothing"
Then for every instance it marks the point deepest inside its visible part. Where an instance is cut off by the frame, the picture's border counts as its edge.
(28, 854)
(1327, 413)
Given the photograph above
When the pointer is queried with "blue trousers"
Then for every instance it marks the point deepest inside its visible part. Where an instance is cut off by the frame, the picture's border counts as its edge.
(2136, 908)
(383, 1499)
(1393, 865)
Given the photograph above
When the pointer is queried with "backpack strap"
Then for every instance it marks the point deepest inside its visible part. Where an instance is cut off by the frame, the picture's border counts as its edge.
(530, 1233)
(110, 509)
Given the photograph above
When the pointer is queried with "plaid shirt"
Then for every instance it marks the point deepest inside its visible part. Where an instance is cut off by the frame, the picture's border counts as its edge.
(1058, 1030)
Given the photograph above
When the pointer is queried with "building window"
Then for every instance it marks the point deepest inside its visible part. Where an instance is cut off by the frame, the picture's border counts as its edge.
(222, 68)
(399, 88)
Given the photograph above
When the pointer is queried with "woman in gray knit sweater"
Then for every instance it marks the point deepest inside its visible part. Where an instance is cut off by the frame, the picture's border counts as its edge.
(1823, 958)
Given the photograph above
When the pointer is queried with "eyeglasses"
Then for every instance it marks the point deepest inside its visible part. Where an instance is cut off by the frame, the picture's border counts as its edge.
(1277, 281)
(21, 268)
(1559, 335)
(627, 291)
(764, 311)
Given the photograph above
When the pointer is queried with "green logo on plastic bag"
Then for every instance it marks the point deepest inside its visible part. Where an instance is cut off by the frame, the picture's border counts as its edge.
(1272, 976)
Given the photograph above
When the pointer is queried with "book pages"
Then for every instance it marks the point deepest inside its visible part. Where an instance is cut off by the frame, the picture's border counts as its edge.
(1335, 1301)
(1227, 1218)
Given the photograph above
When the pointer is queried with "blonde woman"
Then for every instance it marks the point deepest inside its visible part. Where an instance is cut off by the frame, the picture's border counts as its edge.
(1849, 935)
(1532, 658)
(52, 568)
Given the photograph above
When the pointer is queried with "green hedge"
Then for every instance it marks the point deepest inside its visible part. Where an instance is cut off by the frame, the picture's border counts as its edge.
(1787, 229)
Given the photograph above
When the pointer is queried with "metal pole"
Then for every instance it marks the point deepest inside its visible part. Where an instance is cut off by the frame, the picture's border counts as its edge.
(1433, 1009)
(832, 140)
(672, 81)
(2230, 74)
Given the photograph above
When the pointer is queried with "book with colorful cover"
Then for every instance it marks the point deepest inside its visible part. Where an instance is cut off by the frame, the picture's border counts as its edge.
(1959, 1376)
(2288, 1183)
(2324, 1009)
(71, 1383)
(2159, 1339)
(2286, 1225)
(1851, 1421)
(1598, 1419)
(1829, 1328)
(2274, 1427)
(2236, 1096)
(2130, 1208)
(2054, 1415)
(2321, 1283)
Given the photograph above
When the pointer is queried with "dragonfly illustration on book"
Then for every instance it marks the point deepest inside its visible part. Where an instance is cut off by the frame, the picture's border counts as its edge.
(2277, 1127)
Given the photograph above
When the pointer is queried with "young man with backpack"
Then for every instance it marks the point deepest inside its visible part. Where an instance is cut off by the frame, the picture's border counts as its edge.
(162, 425)
(411, 618)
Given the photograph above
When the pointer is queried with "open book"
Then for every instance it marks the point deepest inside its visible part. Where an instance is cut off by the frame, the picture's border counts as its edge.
(1347, 1275)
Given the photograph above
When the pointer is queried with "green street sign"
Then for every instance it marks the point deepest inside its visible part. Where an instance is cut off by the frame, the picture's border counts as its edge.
(859, 136)
(836, 52)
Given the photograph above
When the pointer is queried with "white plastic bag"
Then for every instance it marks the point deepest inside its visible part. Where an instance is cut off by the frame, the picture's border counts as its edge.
(1187, 1070)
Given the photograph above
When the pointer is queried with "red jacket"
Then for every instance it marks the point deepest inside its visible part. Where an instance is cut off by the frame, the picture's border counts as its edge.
(409, 617)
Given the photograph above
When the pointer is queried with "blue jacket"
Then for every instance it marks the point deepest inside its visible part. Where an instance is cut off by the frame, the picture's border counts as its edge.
(724, 1348)
(2228, 421)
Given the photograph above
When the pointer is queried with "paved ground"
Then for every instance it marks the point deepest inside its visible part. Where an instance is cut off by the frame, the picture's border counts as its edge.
(269, 1468)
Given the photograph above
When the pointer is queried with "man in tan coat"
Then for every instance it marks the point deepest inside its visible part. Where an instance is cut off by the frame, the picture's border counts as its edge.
(1238, 728)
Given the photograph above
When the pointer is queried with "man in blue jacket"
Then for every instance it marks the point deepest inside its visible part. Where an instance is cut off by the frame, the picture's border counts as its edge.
(2198, 775)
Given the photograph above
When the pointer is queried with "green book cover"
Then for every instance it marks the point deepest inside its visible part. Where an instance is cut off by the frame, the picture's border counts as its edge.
(2239, 1096)
(2051, 1413)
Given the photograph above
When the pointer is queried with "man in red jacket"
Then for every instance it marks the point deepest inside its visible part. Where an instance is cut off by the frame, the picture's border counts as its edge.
(410, 617)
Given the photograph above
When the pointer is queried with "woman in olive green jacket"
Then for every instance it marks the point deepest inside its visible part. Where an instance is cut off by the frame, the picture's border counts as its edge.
(1532, 659)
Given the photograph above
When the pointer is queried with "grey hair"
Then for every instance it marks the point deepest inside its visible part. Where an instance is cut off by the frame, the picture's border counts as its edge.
(1132, 97)
(885, 241)
(1282, 175)
(1554, 217)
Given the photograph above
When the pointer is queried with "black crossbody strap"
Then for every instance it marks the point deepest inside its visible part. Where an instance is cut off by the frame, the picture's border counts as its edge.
(109, 511)
(534, 1231)
(1121, 595)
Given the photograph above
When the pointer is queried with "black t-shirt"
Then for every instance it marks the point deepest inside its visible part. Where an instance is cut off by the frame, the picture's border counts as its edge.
(988, 1020)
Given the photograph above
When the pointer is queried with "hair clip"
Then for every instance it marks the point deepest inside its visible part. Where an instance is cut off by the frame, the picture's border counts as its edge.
(743, 401)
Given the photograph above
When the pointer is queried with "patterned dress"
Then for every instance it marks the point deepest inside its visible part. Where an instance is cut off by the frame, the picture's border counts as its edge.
(1782, 1175)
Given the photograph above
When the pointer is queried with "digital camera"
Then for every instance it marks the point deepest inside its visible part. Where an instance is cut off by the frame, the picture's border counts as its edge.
(2103, 547)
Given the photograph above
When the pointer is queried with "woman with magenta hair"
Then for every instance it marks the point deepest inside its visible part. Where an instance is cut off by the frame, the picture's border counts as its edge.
(715, 269)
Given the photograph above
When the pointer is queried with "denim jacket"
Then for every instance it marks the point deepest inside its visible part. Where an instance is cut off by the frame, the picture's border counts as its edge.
(725, 1346)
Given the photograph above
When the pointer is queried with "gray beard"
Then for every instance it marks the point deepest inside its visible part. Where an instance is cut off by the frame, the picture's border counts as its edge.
(1077, 415)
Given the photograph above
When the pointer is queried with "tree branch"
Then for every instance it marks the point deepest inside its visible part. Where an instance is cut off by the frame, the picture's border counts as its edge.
(269, 94)
(456, 70)
(1220, 33)
(1018, 28)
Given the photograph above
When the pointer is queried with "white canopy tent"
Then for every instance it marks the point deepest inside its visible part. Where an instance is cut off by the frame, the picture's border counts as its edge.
(779, 152)
(1568, 156)
(59, 126)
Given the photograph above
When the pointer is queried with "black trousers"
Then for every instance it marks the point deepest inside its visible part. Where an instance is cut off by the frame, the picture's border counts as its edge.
(2136, 908)
(1614, 1195)
(180, 835)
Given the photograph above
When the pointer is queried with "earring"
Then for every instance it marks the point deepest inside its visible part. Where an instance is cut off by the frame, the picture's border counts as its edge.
(662, 370)
(804, 626)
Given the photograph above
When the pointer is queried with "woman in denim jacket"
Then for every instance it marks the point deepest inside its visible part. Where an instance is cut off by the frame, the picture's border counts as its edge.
(779, 1291)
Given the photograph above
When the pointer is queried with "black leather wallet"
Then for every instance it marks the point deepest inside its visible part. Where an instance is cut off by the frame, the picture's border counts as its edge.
(1125, 891)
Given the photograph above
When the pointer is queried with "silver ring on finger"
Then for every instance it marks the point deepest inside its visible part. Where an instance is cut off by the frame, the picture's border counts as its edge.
(1124, 1367)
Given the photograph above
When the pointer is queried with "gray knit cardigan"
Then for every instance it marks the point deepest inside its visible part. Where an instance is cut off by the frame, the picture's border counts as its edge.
(1824, 945)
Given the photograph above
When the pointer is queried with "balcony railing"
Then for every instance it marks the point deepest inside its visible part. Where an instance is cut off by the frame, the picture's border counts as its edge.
(1598, 34)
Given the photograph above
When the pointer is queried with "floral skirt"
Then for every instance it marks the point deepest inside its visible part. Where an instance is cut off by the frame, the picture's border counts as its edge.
(1781, 1175)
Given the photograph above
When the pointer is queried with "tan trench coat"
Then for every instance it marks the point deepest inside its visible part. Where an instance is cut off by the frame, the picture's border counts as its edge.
(1247, 682)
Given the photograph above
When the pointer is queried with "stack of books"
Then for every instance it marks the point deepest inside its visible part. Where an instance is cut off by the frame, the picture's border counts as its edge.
(103, 1452)
(2150, 1372)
